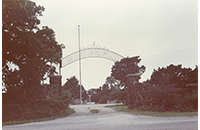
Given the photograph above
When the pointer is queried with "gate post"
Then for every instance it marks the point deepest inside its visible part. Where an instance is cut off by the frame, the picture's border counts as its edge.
(55, 82)
(131, 80)
(90, 94)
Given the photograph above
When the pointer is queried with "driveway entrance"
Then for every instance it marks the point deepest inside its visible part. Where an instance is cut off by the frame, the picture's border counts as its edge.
(108, 119)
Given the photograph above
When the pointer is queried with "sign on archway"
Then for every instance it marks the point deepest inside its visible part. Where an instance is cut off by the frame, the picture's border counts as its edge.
(92, 51)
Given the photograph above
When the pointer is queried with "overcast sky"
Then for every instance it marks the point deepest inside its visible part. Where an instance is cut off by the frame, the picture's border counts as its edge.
(161, 32)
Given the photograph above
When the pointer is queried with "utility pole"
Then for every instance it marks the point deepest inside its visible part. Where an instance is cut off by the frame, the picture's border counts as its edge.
(79, 63)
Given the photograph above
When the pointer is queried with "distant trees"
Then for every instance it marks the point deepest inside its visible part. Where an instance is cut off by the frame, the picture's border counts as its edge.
(73, 88)
(117, 91)
(111, 90)
(107, 91)
(71, 85)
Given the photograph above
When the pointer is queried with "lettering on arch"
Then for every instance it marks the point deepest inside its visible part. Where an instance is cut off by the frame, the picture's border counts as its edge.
(91, 52)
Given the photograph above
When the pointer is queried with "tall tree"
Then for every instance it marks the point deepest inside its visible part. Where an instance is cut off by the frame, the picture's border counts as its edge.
(127, 66)
(28, 52)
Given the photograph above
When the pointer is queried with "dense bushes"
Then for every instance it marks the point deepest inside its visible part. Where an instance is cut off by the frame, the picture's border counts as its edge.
(166, 98)
(35, 109)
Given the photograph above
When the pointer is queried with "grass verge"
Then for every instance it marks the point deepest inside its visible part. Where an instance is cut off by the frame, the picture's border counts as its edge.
(94, 111)
(122, 108)
(67, 112)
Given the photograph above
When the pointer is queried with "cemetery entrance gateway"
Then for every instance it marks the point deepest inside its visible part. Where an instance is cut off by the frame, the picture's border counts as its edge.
(92, 51)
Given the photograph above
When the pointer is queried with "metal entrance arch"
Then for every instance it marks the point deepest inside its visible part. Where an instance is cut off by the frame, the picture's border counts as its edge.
(92, 51)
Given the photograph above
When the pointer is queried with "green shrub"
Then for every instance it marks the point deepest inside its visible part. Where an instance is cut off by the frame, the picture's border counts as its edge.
(94, 111)
(37, 109)
(164, 98)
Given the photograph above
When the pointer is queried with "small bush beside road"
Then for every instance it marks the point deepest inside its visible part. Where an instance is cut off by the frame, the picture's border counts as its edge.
(94, 111)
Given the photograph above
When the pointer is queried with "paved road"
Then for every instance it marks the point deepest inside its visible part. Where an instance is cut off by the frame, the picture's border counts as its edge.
(108, 119)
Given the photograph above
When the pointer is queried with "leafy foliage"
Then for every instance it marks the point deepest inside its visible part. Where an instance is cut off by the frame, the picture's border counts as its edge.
(126, 66)
(166, 98)
(17, 108)
(120, 96)
(36, 109)
(174, 75)
(73, 87)
(27, 51)
(110, 90)
(193, 76)
(19, 94)
(167, 90)
(29, 55)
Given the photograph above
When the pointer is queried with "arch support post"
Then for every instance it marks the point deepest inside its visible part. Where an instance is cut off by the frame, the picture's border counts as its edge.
(55, 83)
(131, 80)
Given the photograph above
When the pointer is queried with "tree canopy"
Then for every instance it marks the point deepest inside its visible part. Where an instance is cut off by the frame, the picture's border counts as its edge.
(73, 87)
(127, 66)
(28, 52)
(174, 74)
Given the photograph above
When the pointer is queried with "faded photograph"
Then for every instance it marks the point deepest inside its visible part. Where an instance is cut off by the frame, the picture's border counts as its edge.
(100, 64)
